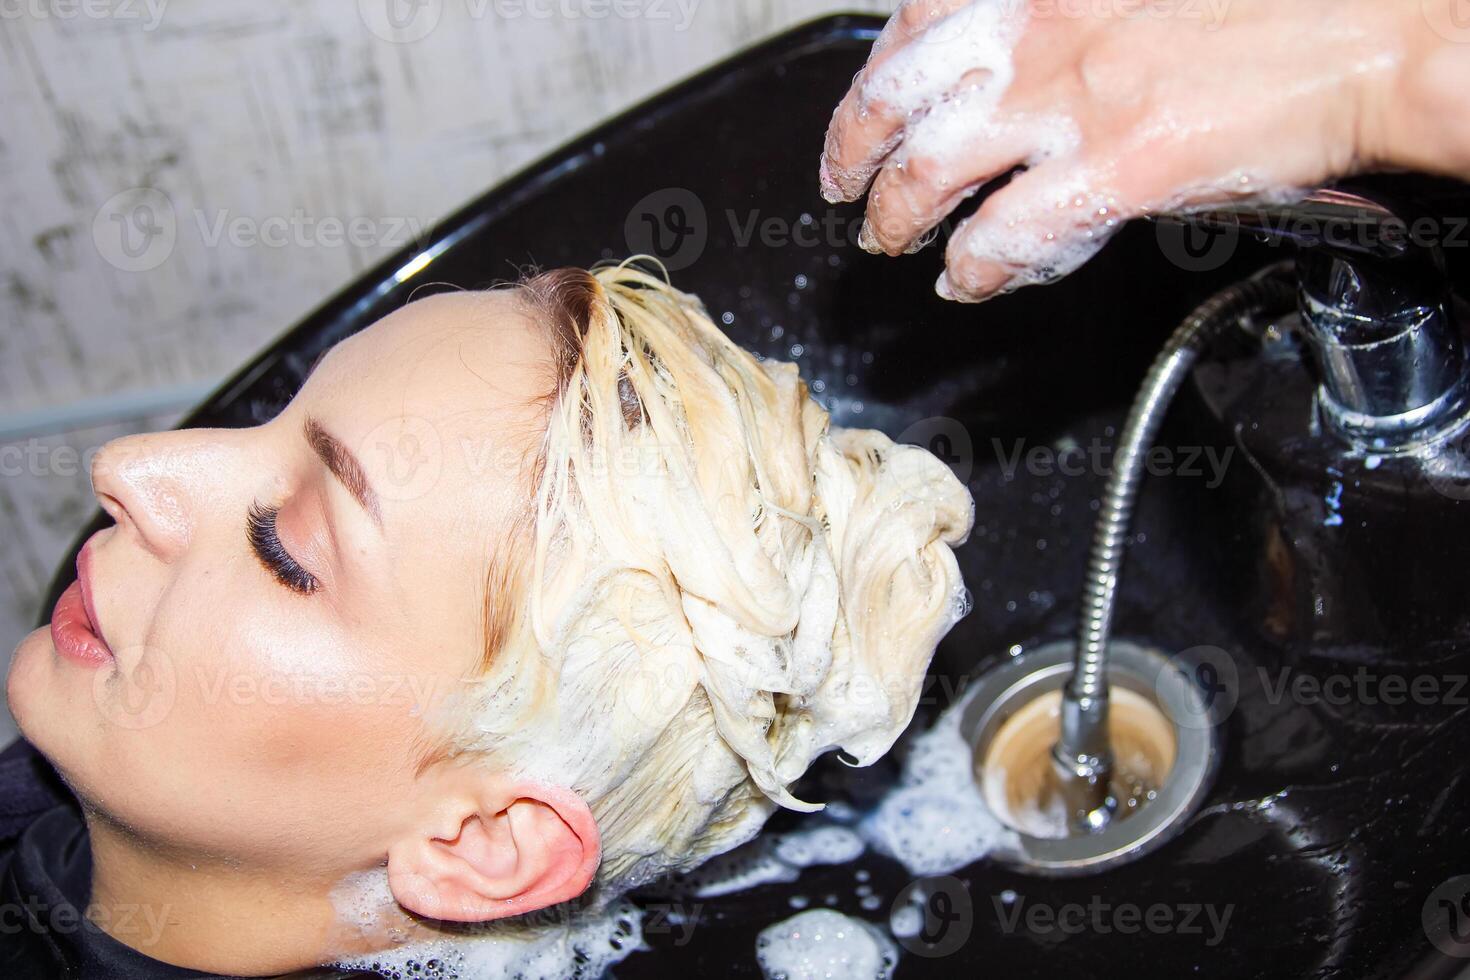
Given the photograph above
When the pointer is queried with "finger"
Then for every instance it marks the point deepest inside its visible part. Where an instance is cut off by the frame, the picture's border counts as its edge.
(1051, 219)
(858, 129)
(945, 158)
(1040, 227)
(912, 19)
(933, 46)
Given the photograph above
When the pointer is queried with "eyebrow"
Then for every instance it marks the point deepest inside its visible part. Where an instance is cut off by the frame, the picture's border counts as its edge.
(344, 466)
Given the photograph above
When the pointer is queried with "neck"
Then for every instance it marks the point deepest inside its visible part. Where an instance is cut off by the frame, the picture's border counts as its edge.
(209, 915)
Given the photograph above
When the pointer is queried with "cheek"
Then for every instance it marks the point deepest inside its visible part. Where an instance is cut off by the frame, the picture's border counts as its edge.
(240, 700)
(275, 696)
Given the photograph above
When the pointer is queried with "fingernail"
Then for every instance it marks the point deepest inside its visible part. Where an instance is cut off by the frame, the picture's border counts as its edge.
(943, 288)
(867, 241)
(831, 193)
(979, 294)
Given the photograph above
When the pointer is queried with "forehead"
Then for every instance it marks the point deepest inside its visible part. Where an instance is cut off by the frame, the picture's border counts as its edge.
(442, 402)
(462, 350)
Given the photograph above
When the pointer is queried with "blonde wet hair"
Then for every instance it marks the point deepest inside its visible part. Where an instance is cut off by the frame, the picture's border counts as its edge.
(721, 585)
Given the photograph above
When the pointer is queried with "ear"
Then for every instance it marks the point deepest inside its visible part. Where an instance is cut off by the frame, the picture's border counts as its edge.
(492, 855)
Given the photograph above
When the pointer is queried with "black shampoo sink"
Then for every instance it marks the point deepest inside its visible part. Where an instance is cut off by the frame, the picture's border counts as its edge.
(1327, 826)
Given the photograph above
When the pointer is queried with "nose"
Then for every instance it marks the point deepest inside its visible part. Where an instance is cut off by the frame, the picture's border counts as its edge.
(158, 486)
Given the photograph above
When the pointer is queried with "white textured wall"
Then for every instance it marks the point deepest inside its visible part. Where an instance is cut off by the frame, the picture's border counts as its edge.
(250, 127)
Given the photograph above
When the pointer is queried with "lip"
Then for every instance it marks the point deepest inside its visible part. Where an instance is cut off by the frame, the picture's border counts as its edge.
(74, 629)
(84, 579)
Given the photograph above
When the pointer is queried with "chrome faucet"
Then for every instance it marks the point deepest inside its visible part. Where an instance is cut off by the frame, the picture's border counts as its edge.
(1393, 377)
(1377, 310)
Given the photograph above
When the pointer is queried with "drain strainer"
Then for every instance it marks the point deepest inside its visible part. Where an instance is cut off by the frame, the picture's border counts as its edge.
(1165, 756)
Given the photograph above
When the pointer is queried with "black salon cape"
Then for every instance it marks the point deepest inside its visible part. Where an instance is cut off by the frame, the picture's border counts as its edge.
(45, 882)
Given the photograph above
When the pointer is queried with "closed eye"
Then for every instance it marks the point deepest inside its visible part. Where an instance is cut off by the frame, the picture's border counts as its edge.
(260, 528)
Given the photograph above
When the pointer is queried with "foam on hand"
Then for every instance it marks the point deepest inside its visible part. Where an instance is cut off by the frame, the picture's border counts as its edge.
(948, 85)
(973, 45)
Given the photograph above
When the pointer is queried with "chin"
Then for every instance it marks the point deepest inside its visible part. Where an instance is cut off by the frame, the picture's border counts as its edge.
(24, 683)
(50, 713)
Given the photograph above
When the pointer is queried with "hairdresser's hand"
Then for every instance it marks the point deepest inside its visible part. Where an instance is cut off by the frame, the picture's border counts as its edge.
(1120, 107)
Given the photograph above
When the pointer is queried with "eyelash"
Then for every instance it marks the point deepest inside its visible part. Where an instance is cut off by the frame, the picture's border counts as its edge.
(260, 528)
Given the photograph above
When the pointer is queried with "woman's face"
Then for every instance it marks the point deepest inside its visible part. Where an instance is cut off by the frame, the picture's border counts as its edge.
(284, 603)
